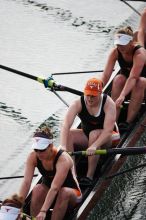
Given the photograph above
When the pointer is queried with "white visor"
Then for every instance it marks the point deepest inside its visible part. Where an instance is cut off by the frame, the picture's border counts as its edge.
(40, 143)
(9, 213)
(122, 39)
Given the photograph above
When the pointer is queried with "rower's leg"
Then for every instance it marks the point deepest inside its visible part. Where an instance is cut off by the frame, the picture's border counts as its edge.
(137, 96)
(118, 85)
(38, 197)
(78, 139)
(66, 197)
(92, 163)
(92, 160)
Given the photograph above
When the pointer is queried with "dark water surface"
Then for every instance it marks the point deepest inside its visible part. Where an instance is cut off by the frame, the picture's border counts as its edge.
(41, 37)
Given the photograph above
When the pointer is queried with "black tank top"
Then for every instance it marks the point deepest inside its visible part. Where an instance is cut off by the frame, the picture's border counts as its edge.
(48, 176)
(126, 66)
(90, 122)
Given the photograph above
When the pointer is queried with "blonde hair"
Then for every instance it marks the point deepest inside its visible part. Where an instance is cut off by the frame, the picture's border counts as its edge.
(44, 131)
(126, 30)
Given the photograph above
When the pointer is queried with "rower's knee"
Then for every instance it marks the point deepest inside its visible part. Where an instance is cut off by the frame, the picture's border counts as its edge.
(140, 83)
(119, 81)
(93, 136)
(63, 196)
(37, 190)
(117, 86)
(140, 87)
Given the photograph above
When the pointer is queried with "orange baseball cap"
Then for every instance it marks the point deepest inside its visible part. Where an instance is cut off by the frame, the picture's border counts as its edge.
(93, 87)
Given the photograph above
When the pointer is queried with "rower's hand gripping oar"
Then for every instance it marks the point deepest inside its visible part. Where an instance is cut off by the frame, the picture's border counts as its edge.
(48, 83)
(25, 216)
(114, 151)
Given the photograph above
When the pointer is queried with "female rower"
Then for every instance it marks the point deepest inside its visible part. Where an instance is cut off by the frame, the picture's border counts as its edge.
(58, 178)
(132, 76)
(11, 209)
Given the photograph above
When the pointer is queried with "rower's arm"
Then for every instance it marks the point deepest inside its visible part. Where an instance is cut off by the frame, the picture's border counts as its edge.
(138, 64)
(28, 175)
(109, 122)
(141, 35)
(109, 66)
(62, 168)
(72, 112)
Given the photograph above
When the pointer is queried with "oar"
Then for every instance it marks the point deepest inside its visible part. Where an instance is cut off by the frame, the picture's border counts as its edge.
(135, 0)
(24, 216)
(48, 83)
(114, 151)
(126, 171)
(80, 72)
(14, 177)
(131, 7)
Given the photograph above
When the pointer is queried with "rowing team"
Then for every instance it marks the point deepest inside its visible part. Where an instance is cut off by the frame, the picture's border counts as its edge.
(98, 113)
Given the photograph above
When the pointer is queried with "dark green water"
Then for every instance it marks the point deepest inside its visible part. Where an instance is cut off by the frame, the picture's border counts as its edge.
(125, 198)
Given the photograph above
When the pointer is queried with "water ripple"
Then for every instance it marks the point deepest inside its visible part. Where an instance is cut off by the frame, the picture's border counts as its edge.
(15, 114)
(92, 26)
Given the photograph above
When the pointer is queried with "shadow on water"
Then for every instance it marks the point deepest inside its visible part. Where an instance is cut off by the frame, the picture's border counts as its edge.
(92, 26)
(15, 114)
(54, 123)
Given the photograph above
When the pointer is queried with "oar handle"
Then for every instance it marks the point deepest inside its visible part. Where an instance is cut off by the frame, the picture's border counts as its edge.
(114, 151)
(67, 89)
(84, 153)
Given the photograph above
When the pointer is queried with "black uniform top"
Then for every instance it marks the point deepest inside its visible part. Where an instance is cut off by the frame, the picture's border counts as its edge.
(127, 66)
(90, 122)
(48, 176)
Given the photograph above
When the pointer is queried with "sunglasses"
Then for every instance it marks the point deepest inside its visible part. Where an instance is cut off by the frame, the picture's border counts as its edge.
(36, 150)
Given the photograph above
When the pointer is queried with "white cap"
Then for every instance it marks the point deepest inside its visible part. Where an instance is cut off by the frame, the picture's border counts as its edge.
(122, 39)
(9, 213)
(40, 143)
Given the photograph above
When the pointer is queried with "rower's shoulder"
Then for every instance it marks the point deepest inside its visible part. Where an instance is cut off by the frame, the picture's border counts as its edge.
(110, 104)
(65, 159)
(76, 104)
(109, 99)
(32, 158)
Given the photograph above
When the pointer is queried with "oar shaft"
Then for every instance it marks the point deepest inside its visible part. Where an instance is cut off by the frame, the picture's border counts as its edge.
(68, 73)
(67, 89)
(114, 151)
(126, 171)
(135, 0)
(49, 83)
(127, 151)
(131, 7)
(14, 177)
(19, 72)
